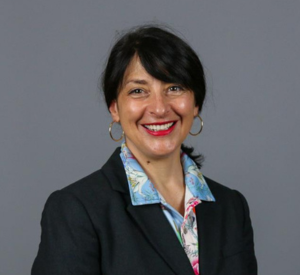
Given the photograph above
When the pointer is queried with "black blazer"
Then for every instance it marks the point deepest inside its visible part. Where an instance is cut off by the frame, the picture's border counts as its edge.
(91, 227)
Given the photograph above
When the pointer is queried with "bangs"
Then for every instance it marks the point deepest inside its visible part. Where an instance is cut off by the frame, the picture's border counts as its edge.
(166, 63)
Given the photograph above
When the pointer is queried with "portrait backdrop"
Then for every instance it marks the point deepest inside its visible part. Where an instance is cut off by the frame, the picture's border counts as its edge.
(54, 123)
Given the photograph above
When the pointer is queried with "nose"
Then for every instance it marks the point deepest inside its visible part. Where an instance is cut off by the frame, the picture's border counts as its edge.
(159, 105)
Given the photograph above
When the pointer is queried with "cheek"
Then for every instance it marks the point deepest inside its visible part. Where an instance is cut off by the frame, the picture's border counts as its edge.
(130, 111)
(185, 106)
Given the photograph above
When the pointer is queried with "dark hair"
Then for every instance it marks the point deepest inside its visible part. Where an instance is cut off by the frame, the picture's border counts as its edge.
(164, 56)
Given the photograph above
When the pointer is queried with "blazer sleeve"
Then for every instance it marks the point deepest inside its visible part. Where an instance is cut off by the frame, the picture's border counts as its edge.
(69, 244)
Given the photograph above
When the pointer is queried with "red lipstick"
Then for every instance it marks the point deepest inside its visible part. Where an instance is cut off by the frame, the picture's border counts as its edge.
(160, 132)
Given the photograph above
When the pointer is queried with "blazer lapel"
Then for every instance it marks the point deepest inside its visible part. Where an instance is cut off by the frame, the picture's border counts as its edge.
(150, 219)
(208, 223)
(160, 234)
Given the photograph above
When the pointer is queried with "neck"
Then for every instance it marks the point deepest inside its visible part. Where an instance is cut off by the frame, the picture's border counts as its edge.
(166, 174)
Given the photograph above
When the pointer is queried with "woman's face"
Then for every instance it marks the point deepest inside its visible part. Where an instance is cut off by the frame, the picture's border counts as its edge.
(155, 116)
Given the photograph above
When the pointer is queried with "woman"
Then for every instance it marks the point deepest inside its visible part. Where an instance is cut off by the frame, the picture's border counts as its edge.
(148, 210)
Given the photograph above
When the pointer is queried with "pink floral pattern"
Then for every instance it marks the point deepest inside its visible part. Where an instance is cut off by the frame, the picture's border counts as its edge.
(189, 233)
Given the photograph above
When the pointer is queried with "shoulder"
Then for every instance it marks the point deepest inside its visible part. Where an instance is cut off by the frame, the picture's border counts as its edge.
(222, 192)
(228, 198)
(99, 185)
(79, 198)
(95, 193)
(94, 183)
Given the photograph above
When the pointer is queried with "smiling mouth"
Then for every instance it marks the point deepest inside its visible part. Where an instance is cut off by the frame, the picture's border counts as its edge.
(159, 127)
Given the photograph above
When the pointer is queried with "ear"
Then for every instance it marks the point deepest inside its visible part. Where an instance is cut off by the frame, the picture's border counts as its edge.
(196, 111)
(114, 112)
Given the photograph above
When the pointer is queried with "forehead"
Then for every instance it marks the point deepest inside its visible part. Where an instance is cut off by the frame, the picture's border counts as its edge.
(135, 69)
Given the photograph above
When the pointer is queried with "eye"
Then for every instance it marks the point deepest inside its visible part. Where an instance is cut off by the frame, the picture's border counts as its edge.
(136, 91)
(176, 89)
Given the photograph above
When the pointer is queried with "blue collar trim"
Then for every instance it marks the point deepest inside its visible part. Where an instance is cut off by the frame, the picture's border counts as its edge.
(142, 190)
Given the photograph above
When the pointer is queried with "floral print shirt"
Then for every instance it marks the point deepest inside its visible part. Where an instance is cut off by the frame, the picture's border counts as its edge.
(142, 191)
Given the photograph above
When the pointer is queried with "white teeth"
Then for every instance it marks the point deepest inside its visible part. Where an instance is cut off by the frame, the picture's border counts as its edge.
(161, 127)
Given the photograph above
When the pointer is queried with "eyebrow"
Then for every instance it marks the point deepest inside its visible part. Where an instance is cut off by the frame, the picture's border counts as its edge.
(136, 81)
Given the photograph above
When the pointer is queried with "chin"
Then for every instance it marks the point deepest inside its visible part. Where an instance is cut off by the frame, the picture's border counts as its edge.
(162, 150)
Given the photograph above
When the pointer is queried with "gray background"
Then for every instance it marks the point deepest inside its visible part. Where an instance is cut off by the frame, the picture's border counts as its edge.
(54, 122)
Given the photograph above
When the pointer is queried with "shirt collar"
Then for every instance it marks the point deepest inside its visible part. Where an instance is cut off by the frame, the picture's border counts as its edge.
(142, 190)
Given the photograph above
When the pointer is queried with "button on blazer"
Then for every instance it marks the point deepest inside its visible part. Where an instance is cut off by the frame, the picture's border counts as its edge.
(91, 228)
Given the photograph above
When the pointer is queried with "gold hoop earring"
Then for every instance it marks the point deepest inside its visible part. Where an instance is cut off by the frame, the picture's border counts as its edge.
(201, 121)
(109, 130)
